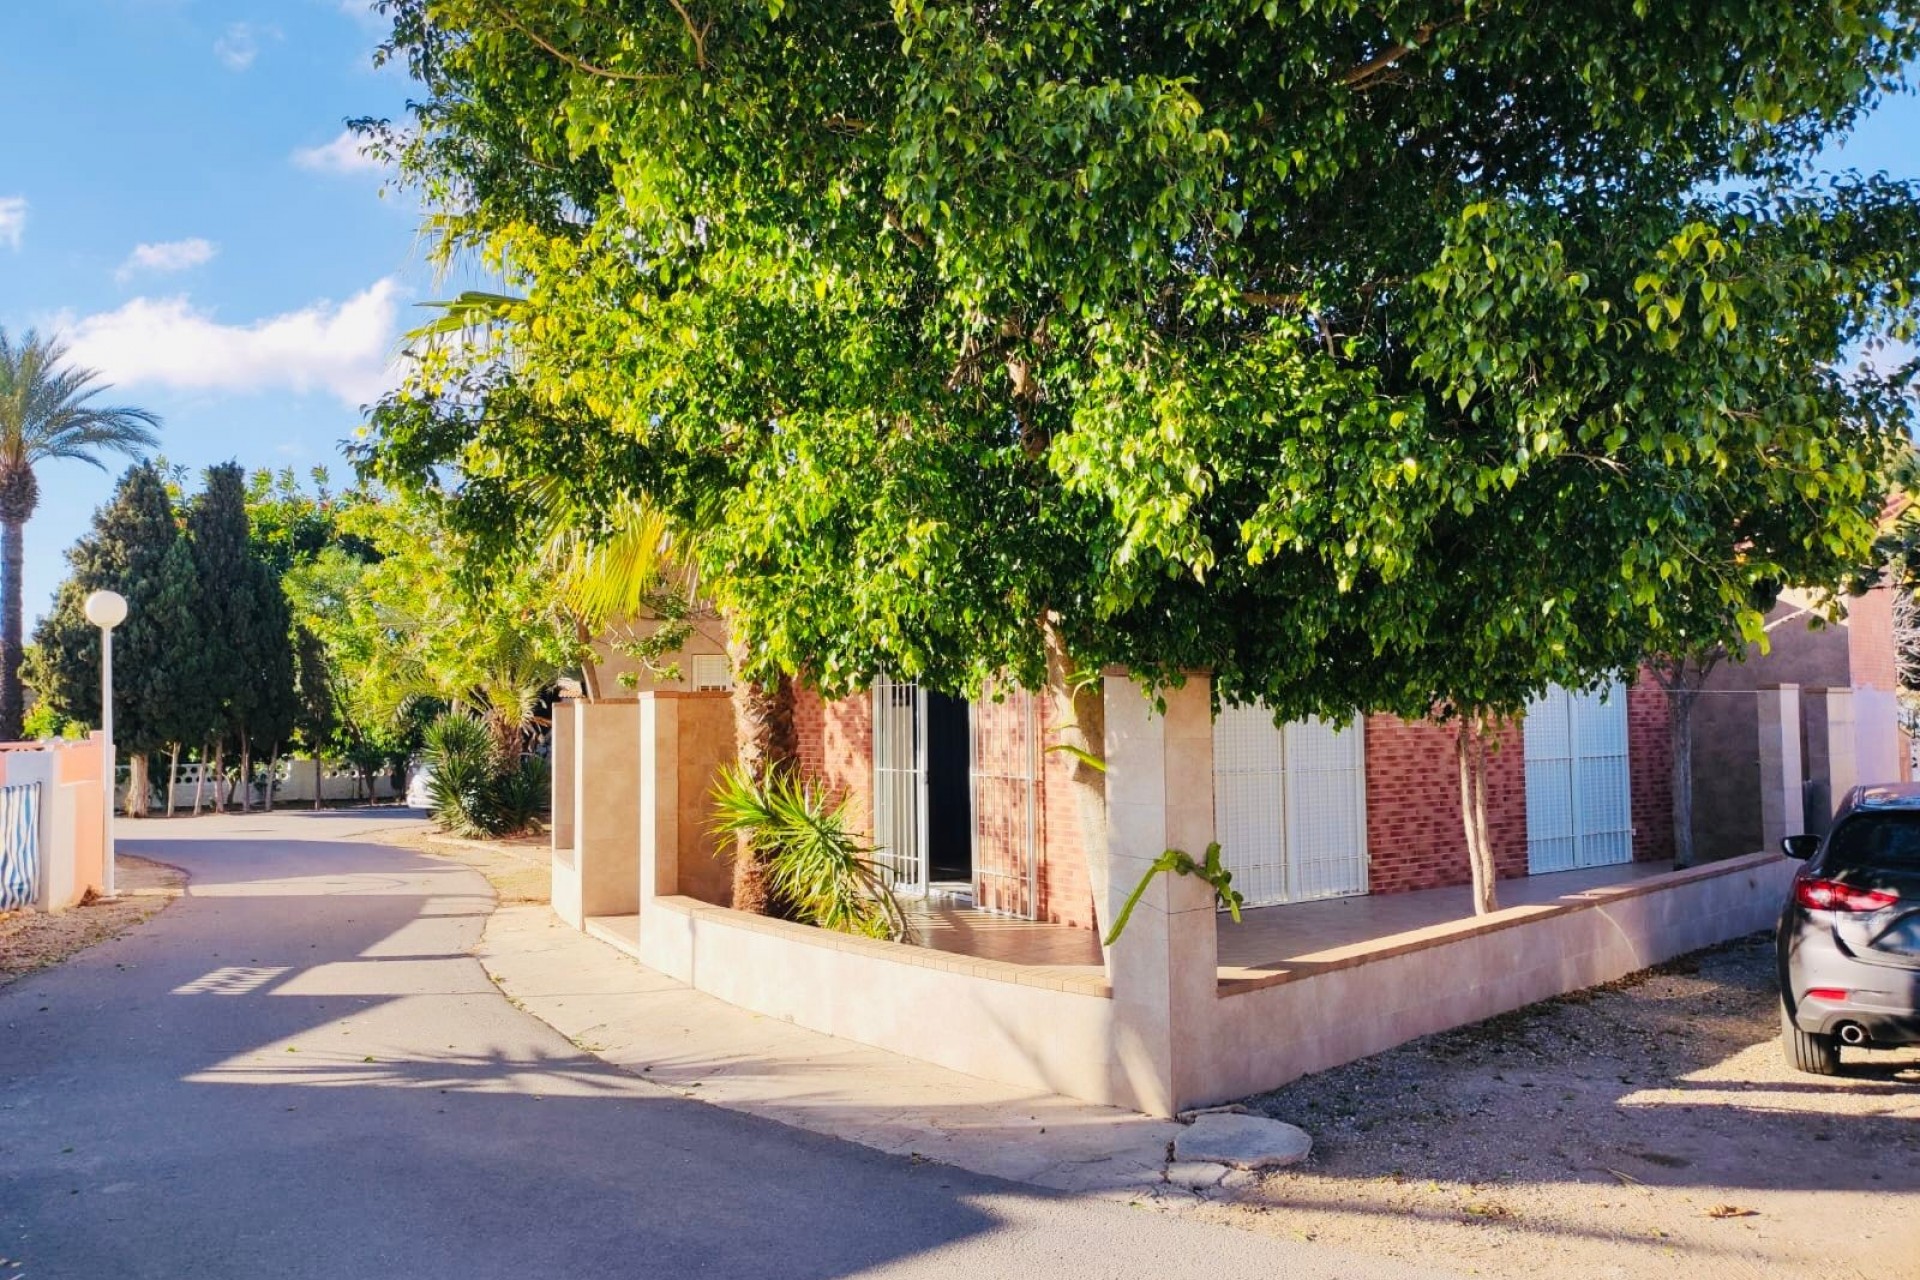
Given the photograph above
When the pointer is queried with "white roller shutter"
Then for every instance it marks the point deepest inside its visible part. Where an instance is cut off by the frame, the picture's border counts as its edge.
(1290, 806)
(1579, 805)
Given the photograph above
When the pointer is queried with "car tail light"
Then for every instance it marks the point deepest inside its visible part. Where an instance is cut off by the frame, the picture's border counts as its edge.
(1832, 994)
(1832, 895)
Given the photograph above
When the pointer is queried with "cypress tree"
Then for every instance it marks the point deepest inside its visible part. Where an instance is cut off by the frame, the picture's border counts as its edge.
(127, 551)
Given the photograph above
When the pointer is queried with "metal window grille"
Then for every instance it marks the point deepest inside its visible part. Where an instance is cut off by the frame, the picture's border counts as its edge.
(1579, 805)
(1004, 761)
(899, 783)
(1290, 806)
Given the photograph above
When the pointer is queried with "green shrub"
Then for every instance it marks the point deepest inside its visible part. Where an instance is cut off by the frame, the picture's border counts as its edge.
(472, 791)
(521, 796)
(814, 861)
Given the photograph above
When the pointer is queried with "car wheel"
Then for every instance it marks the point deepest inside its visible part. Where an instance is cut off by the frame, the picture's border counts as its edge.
(1814, 1054)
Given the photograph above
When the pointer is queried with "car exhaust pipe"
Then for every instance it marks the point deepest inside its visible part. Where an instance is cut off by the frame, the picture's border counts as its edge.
(1852, 1033)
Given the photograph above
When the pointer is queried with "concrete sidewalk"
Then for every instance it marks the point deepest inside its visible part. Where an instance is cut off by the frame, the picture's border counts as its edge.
(611, 1005)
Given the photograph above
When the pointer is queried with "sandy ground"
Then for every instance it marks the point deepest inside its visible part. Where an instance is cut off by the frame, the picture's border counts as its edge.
(520, 869)
(1650, 1129)
(32, 940)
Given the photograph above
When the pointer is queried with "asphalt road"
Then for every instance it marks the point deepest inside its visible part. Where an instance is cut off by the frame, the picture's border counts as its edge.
(297, 1070)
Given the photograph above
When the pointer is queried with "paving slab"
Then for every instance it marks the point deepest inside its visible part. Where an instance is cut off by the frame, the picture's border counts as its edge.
(1241, 1141)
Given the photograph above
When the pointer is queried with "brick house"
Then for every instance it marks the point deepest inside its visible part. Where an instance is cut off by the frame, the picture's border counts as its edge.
(966, 802)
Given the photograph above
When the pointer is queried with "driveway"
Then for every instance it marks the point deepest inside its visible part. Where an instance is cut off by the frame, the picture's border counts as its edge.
(298, 1070)
(1648, 1129)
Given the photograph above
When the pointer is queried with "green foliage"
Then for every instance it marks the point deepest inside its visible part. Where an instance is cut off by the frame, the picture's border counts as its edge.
(1175, 862)
(473, 790)
(42, 721)
(814, 861)
(133, 548)
(1372, 360)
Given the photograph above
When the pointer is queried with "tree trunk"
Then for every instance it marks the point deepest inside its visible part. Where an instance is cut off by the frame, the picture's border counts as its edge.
(219, 775)
(1077, 716)
(1470, 752)
(173, 774)
(246, 772)
(589, 669)
(200, 780)
(273, 774)
(12, 700)
(136, 805)
(765, 743)
(319, 779)
(1680, 745)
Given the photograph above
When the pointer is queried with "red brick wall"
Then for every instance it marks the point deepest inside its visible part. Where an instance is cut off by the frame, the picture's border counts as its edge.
(1649, 770)
(836, 748)
(1414, 835)
(1066, 894)
(1870, 655)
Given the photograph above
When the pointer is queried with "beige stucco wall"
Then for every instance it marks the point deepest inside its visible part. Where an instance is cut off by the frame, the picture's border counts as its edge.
(708, 638)
(1263, 1037)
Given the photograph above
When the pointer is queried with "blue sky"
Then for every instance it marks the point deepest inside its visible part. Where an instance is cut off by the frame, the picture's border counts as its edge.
(177, 198)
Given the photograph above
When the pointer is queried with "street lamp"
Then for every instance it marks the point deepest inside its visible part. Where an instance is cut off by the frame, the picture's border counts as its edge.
(107, 610)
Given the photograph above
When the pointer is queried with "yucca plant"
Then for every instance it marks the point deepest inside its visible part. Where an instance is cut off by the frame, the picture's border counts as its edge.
(521, 795)
(462, 793)
(814, 862)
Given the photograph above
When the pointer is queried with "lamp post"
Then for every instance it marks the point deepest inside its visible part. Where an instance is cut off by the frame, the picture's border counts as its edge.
(107, 610)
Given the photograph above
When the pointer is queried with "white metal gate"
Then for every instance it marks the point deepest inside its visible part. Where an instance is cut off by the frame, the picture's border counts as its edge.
(1004, 766)
(1290, 806)
(900, 783)
(1579, 810)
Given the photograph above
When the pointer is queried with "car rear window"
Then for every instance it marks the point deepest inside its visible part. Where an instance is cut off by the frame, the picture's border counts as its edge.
(1889, 840)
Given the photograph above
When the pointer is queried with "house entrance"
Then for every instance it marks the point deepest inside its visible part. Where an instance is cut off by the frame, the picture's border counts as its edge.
(955, 804)
(1290, 806)
(1579, 812)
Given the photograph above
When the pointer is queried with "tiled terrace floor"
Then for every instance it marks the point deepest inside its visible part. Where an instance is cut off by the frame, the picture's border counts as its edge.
(1267, 940)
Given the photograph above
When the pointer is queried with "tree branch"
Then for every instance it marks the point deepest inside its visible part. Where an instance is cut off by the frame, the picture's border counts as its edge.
(1384, 60)
(581, 64)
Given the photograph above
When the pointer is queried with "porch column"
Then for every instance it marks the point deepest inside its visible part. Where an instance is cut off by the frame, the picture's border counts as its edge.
(606, 777)
(659, 797)
(560, 772)
(1843, 763)
(1782, 808)
(1163, 968)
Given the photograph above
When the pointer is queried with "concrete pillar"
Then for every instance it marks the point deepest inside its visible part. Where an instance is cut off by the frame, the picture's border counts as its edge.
(659, 797)
(1843, 765)
(560, 772)
(1164, 967)
(606, 788)
(1782, 812)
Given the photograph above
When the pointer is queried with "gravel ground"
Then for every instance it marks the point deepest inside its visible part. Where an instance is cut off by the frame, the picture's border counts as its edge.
(1650, 1128)
(31, 940)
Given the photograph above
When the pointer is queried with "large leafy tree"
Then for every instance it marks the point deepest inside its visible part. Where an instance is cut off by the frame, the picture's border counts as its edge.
(46, 413)
(134, 549)
(1401, 357)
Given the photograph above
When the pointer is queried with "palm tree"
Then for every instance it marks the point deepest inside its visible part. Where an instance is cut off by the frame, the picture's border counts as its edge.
(45, 413)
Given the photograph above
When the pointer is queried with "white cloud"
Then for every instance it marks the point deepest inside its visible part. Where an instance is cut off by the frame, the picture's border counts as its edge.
(13, 220)
(167, 255)
(342, 155)
(241, 44)
(346, 349)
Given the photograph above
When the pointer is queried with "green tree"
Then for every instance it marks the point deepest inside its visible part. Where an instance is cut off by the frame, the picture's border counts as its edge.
(246, 623)
(1371, 358)
(185, 706)
(46, 413)
(133, 541)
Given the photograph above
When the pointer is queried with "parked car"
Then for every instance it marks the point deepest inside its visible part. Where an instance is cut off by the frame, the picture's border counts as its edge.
(1849, 942)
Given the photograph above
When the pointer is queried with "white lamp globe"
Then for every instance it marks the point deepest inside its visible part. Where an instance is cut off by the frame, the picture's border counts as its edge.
(106, 609)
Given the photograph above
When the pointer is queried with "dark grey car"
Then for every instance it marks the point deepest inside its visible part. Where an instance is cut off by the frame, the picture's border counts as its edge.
(1850, 934)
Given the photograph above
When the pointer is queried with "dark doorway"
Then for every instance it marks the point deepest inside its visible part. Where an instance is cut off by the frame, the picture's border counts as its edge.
(949, 790)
